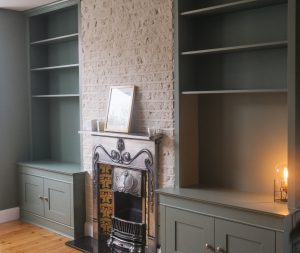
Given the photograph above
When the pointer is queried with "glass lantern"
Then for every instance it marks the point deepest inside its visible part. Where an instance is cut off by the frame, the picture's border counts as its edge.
(281, 183)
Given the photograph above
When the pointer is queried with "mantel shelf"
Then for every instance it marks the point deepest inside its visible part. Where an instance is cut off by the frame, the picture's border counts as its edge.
(56, 67)
(136, 136)
(251, 47)
(55, 96)
(231, 7)
(199, 92)
(58, 39)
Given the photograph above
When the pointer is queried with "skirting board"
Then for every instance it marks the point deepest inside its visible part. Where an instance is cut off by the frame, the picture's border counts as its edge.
(9, 214)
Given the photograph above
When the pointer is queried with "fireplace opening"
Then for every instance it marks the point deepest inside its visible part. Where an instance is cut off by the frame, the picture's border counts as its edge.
(128, 220)
(128, 207)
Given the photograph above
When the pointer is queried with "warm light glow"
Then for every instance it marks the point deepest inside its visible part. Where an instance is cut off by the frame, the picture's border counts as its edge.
(281, 183)
(285, 176)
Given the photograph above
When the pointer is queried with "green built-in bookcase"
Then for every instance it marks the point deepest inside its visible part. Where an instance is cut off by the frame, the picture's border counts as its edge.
(54, 82)
(231, 93)
(51, 184)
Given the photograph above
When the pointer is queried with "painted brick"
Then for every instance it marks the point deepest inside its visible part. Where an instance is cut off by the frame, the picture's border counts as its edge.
(128, 42)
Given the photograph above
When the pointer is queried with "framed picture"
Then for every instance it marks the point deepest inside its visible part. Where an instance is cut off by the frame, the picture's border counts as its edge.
(119, 109)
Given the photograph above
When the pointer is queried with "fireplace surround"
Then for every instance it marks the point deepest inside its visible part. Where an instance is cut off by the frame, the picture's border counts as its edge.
(134, 162)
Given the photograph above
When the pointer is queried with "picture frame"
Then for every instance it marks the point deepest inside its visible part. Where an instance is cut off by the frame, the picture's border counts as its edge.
(119, 109)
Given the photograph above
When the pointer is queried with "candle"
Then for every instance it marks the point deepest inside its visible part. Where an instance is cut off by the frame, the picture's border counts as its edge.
(281, 183)
(285, 176)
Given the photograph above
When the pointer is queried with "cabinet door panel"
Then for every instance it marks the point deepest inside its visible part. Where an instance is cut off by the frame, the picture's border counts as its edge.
(235, 238)
(58, 206)
(31, 194)
(188, 232)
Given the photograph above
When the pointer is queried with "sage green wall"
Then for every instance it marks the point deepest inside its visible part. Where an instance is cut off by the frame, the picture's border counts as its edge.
(14, 124)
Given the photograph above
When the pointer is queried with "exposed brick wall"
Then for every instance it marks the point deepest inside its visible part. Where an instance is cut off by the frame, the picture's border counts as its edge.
(129, 42)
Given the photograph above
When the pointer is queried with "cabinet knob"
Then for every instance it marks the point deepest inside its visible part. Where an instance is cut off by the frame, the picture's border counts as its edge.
(209, 247)
(41, 197)
(45, 198)
(219, 249)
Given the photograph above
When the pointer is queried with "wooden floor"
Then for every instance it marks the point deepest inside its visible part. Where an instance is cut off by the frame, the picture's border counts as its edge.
(19, 237)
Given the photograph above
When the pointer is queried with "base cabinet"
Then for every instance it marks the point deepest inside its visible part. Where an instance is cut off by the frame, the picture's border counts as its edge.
(195, 226)
(48, 198)
(188, 232)
(235, 238)
(53, 200)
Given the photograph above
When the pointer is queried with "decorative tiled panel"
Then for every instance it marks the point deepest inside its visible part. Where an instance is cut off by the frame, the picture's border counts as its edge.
(106, 205)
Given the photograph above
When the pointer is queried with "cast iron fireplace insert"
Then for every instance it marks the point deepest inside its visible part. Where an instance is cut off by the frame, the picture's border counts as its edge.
(134, 180)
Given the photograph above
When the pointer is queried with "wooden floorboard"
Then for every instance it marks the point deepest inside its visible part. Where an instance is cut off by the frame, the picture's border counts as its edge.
(22, 237)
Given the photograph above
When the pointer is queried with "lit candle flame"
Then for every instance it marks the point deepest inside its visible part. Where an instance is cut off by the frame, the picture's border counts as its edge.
(285, 176)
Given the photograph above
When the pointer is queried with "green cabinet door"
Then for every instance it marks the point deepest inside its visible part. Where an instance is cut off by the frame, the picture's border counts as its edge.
(57, 201)
(231, 237)
(32, 194)
(187, 232)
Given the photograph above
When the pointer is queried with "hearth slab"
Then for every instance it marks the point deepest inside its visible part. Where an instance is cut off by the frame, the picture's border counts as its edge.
(87, 244)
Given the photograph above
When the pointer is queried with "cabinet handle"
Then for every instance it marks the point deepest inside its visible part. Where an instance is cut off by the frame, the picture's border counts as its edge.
(41, 197)
(220, 250)
(209, 247)
(45, 198)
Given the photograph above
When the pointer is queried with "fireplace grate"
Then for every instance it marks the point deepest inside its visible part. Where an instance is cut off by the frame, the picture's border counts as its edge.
(129, 230)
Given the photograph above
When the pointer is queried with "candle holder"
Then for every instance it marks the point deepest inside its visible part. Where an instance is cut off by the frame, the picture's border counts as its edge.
(281, 183)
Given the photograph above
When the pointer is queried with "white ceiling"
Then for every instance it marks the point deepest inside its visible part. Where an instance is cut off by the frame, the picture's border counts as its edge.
(22, 5)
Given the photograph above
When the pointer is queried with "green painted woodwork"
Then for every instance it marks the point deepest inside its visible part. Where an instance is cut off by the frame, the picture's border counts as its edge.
(55, 125)
(227, 58)
(51, 166)
(56, 227)
(31, 194)
(188, 232)
(58, 204)
(249, 202)
(236, 238)
(14, 103)
(235, 117)
(57, 54)
(49, 25)
(53, 196)
(34, 191)
(232, 210)
(61, 81)
(54, 64)
(213, 7)
(294, 117)
(188, 224)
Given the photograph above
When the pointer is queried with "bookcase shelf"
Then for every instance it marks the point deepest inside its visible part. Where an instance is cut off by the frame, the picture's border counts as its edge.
(56, 67)
(233, 91)
(231, 7)
(56, 96)
(242, 48)
(58, 39)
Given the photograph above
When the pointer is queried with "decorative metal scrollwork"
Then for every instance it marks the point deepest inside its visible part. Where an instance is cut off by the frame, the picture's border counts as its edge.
(118, 157)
